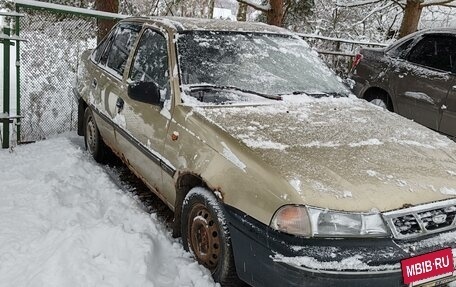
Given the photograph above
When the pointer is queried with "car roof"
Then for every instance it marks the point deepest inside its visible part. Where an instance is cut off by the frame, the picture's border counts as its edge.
(419, 33)
(182, 24)
(451, 30)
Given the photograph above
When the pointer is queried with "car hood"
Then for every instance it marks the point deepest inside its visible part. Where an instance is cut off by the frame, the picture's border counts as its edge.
(344, 153)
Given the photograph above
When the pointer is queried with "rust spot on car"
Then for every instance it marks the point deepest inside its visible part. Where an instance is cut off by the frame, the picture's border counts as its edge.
(218, 192)
(175, 136)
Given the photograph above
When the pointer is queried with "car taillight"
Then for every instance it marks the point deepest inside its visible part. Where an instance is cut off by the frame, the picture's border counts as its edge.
(356, 61)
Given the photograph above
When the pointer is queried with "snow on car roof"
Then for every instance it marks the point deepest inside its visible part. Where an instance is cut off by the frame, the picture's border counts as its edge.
(451, 30)
(187, 24)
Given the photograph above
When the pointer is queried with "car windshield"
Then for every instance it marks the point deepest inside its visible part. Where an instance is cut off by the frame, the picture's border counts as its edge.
(269, 64)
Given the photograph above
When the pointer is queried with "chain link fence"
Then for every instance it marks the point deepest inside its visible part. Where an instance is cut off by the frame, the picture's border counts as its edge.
(49, 67)
(56, 38)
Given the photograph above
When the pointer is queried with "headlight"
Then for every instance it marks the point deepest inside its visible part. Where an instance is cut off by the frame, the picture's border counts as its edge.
(311, 221)
(292, 219)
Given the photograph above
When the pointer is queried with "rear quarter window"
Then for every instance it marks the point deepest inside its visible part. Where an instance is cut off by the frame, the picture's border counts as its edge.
(401, 50)
(96, 54)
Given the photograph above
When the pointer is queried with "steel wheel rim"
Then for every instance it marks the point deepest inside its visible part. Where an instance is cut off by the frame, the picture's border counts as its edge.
(379, 102)
(91, 135)
(204, 236)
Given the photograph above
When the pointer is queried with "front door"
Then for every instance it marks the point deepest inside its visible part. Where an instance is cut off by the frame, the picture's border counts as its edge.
(448, 123)
(146, 123)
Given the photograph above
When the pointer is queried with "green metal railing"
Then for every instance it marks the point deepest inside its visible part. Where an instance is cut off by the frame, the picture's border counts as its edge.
(6, 86)
(8, 40)
(56, 37)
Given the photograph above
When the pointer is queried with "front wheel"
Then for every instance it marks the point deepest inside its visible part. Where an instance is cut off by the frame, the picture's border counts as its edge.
(205, 233)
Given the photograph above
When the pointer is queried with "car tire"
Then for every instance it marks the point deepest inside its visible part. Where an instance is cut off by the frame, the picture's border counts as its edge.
(205, 234)
(380, 99)
(92, 139)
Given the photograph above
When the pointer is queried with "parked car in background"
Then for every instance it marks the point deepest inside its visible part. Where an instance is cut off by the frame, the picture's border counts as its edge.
(414, 77)
(276, 174)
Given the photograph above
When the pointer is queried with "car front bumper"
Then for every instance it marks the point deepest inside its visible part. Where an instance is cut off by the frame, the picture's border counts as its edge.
(265, 257)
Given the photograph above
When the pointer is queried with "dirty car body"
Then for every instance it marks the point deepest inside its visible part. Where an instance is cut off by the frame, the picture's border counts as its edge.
(414, 77)
(312, 186)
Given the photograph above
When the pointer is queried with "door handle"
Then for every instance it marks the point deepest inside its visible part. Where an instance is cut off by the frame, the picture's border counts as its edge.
(94, 83)
(119, 105)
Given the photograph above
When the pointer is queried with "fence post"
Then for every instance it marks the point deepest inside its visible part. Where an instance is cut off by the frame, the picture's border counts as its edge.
(18, 78)
(6, 87)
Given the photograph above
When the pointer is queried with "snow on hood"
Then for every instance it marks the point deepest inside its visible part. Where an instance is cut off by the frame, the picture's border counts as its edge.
(344, 148)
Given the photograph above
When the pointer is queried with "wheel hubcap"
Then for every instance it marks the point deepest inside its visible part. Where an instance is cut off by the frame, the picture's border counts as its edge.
(91, 135)
(204, 237)
(380, 103)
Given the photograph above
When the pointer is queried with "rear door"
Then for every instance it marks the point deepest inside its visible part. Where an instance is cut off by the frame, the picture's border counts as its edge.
(109, 81)
(421, 83)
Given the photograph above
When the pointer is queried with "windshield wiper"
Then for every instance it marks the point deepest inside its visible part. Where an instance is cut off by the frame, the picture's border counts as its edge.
(320, 94)
(210, 87)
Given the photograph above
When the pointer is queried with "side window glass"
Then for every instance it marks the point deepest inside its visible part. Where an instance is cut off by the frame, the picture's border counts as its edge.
(151, 60)
(435, 52)
(399, 52)
(121, 44)
(96, 54)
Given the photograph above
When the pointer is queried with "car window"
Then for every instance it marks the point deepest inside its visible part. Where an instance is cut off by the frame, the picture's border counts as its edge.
(399, 51)
(116, 55)
(151, 60)
(96, 54)
(436, 51)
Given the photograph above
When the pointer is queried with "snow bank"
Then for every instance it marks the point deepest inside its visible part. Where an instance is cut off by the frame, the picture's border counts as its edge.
(65, 223)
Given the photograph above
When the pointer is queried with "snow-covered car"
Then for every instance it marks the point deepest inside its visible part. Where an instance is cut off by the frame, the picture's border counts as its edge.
(276, 174)
(414, 77)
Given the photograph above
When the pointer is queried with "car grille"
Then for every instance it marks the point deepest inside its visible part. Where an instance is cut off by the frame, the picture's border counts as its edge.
(422, 220)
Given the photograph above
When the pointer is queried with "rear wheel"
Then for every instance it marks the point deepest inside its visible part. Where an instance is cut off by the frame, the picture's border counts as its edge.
(379, 102)
(381, 99)
(92, 138)
(206, 235)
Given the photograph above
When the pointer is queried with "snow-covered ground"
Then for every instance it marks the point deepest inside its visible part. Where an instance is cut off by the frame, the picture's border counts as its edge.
(64, 222)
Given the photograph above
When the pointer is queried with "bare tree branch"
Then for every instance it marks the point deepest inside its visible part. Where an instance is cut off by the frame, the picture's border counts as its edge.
(287, 8)
(263, 8)
(356, 3)
(400, 3)
(436, 2)
(373, 12)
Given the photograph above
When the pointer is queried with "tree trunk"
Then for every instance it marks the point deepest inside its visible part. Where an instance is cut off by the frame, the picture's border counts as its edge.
(242, 12)
(275, 15)
(104, 26)
(412, 14)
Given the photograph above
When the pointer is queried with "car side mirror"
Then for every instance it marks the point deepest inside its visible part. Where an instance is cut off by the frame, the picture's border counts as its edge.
(146, 92)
